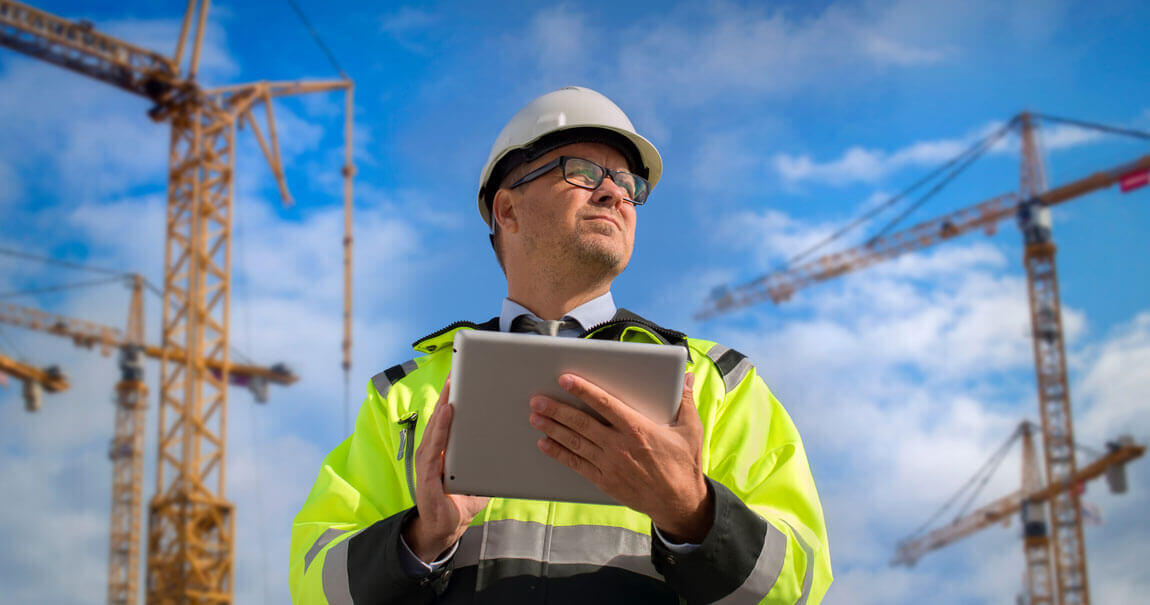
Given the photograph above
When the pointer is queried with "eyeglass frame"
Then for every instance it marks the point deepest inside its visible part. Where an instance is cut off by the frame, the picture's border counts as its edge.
(562, 162)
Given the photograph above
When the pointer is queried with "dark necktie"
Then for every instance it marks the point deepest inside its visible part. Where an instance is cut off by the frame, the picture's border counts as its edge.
(547, 327)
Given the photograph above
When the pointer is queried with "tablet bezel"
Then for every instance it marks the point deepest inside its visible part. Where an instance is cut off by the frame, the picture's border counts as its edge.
(492, 450)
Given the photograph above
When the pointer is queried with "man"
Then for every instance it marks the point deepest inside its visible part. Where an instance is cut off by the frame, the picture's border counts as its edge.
(717, 506)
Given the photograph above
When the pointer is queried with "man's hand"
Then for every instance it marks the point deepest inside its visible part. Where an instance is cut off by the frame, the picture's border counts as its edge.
(652, 468)
(442, 517)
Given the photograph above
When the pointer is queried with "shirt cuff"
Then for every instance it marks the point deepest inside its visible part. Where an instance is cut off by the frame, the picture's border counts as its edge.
(680, 548)
(416, 567)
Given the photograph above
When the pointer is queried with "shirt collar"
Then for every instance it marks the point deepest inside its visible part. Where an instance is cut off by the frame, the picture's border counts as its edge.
(591, 313)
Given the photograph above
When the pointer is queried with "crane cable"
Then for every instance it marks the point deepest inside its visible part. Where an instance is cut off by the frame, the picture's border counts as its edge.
(1130, 132)
(60, 287)
(318, 40)
(982, 476)
(63, 263)
(973, 149)
(981, 148)
(78, 266)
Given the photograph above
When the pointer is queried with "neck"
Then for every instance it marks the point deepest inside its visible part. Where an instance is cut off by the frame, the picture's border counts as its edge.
(551, 296)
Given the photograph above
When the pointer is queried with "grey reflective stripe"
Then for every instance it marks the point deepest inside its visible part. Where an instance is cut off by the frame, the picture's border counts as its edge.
(324, 539)
(717, 351)
(390, 376)
(381, 384)
(765, 572)
(336, 586)
(810, 565)
(734, 368)
(598, 545)
(737, 375)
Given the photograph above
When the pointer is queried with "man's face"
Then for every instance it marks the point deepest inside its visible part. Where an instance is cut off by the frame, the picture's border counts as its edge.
(567, 224)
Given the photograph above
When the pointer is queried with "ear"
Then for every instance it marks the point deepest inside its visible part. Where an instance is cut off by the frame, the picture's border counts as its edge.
(505, 210)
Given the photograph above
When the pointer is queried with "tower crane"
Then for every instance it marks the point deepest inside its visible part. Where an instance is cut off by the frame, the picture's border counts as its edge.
(191, 523)
(1030, 205)
(127, 445)
(1030, 502)
(35, 380)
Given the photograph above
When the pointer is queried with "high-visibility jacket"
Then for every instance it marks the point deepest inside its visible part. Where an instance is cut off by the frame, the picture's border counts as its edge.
(768, 542)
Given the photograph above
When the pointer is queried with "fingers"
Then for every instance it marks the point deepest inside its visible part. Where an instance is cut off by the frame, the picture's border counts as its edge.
(569, 416)
(568, 438)
(436, 434)
(429, 455)
(601, 401)
(687, 401)
(569, 459)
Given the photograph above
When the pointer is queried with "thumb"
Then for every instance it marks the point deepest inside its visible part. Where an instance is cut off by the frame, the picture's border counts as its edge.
(687, 401)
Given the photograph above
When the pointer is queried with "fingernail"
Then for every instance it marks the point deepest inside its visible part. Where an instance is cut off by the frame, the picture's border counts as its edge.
(689, 380)
(566, 381)
(536, 420)
(538, 404)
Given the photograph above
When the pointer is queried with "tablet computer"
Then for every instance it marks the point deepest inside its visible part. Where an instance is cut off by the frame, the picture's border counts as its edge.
(492, 450)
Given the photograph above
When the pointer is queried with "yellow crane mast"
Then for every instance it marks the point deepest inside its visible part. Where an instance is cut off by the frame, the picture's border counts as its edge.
(191, 523)
(127, 455)
(1031, 207)
(35, 380)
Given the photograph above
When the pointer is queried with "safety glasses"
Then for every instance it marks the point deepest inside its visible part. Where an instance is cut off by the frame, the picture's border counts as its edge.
(589, 175)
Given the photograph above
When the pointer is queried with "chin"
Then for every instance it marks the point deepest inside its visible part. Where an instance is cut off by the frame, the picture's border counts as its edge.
(603, 257)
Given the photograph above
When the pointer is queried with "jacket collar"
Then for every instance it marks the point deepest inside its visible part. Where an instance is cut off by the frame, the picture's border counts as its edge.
(609, 330)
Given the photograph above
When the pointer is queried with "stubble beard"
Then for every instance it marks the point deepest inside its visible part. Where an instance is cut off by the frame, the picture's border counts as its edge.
(583, 257)
(598, 260)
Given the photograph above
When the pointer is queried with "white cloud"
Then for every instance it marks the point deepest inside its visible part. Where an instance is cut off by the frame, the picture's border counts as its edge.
(1113, 389)
(769, 237)
(863, 165)
(703, 53)
(216, 64)
(93, 147)
(411, 28)
(1067, 136)
(561, 36)
(894, 52)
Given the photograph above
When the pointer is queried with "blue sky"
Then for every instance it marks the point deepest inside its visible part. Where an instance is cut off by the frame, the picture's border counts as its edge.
(777, 123)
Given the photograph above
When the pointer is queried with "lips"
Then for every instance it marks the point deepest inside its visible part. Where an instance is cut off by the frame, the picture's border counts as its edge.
(603, 217)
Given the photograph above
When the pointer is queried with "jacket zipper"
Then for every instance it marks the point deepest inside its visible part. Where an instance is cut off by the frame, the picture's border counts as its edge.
(407, 450)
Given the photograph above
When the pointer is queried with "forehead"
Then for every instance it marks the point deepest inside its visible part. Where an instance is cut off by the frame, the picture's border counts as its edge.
(601, 154)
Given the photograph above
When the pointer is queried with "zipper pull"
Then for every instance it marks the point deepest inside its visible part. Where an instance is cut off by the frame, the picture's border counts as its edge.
(408, 425)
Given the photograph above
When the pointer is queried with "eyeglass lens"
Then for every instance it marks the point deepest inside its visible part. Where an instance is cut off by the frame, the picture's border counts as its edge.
(589, 175)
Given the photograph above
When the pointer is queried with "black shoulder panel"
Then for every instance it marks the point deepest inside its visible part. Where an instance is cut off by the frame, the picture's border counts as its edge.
(732, 365)
(392, 375)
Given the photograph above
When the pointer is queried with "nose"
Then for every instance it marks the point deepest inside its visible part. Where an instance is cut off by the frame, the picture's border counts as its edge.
(608, 193)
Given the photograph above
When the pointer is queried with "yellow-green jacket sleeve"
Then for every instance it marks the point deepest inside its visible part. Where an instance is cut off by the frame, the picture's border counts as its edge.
(768, 543)
(345, 540)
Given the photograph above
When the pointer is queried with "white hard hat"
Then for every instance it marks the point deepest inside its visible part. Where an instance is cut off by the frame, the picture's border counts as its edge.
(568, 115)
